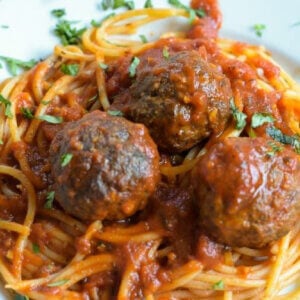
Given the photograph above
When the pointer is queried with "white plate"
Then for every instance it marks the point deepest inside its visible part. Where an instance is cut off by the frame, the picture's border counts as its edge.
(30, 27)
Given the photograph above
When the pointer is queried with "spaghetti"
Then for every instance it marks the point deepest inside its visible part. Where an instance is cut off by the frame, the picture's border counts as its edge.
(48, 254)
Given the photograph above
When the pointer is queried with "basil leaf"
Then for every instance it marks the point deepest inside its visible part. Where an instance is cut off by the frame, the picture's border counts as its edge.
(27, 113)
(14, 64)
(7, 105)
(68, 35)
(51, 119)
(239, 117)
(116, 113)
(259, 119)
(219, 286)
(258, 29)
(166, 53)
(65, 159)
(35, 248)
(132, 68)
(49, 200)
(58, 13)
(70, 69)
(279, 136)
(148, 4)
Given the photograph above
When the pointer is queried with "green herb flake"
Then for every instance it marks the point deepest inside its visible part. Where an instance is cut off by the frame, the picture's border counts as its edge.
(49, 200)
(1, 142)
(70, 69)
(192, 12)
(35, 248)
(67, 34)
(103, 66)
(14, 64)
(239, 117)
(166, 53)
(51, 119)
(116, 113)
(219, 286)
(58, 283)
(130, 5)
(259, 119)
(65, 159)
(279, 136)
(20, 297)
(106, 4)
(45, 102)
(148, 4)
(132, 68)
(27, 113)
(259, 29)
(200, 13)
(58, 13)
(7, 105)
(143, 38)
(274, 148)
(94, 23)
(99, 23)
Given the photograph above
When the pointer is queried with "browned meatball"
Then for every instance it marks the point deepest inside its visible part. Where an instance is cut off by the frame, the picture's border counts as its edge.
(113, 170)
(248, 194)
(181, 99)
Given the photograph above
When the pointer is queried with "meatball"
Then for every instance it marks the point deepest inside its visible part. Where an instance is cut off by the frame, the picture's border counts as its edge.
(248, 191)
(113, 169)
(181, 99)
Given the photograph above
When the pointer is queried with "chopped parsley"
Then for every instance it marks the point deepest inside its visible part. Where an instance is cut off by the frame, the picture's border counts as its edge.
(259, 29)
(45, 102)
(68, 35)
(70, 69)
(58, 283)
(58, 13)
(192, 12)
(94, 23)
(49, 200)
(1, 142)
(166, 53)
(116, 113)
(35, 248)
(279, 136)
(20, 297)
(51, 119)
(132, 68)
(148, 4)
(219, 286)
(106, 4)
(259, 119)
(274, 148)
(103, 66)
(27, 113)
(99, 23)
(14, 64)
(239, 117)
(65, 159)
(7, 105)
(114, 4)
(143, 38)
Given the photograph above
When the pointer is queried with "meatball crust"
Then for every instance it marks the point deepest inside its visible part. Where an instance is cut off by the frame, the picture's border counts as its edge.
(248, 195)
(181, 99)
(113, 170)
